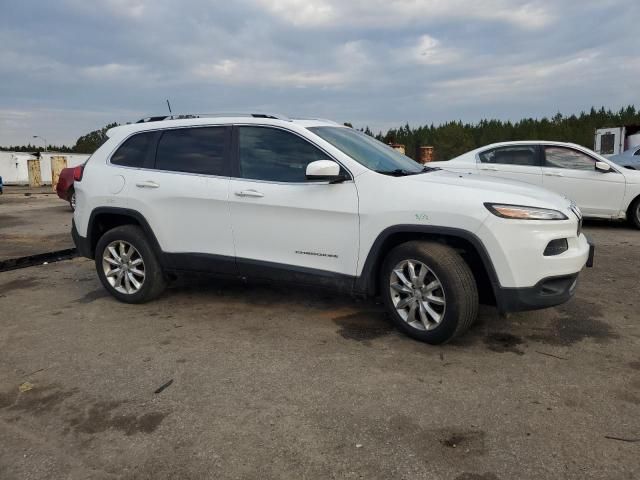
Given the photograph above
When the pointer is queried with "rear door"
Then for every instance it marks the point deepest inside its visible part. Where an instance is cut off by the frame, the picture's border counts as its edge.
(283, 224)
(515, 162)
(573, 174)
(182, 192)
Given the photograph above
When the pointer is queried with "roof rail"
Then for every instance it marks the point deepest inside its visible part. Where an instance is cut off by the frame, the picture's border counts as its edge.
(183, 116)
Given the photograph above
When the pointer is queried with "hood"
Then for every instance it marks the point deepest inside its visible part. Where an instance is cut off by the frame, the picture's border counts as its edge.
(496, 189)
(631, 175)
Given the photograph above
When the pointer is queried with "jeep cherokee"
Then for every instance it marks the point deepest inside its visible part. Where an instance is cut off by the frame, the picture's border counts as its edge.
(309, 201)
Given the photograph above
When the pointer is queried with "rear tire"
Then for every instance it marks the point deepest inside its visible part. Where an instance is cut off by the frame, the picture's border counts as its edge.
(72, 201)
(429, 291)
(127, 265)
(633, 214)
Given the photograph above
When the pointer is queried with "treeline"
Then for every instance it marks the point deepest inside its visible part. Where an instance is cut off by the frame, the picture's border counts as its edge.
(448, 139)
(88, 143)
(454, 138)
(33, 148)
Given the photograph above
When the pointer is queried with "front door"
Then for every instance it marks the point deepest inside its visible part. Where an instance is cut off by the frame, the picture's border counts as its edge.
(284, 225)
(515, 162)
(573, 174)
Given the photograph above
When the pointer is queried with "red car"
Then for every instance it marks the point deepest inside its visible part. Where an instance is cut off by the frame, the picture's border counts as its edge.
(64, 188)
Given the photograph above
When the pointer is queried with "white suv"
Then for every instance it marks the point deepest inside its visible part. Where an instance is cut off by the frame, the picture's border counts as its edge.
(312, 202)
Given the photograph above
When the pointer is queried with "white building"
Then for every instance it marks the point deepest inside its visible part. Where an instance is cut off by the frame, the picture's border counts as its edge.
(14, 169)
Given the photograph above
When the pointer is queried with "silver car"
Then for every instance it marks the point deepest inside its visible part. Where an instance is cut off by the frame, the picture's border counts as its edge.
(628, 159)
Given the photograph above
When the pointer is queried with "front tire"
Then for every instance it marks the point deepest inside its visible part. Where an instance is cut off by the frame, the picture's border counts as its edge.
(429, 291)
(633, 214)
(127, 266)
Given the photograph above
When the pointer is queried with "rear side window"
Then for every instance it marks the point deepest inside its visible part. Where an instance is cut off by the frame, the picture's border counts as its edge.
(275, 155)
(561, 157)
(193, 150)
(133, 152)
(524, 155)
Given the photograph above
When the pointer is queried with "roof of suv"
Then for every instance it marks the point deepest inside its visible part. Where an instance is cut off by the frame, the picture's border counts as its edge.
(155, 123)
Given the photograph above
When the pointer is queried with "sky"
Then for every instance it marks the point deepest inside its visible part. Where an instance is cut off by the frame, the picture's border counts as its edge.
(71, 66)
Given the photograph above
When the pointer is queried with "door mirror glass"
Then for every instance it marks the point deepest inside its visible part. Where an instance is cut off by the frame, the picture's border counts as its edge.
(327, 170)
(603, 167)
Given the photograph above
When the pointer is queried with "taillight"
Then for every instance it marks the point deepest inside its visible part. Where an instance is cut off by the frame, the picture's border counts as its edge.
(77, 173)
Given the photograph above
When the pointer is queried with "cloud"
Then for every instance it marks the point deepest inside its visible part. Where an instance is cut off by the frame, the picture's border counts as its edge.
(257, 72)
(111, 71)
(72, 64)
(394, 13)
(429, 51)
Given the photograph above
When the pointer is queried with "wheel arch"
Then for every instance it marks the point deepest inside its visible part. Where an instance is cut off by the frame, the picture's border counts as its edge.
(466, 243)
(632, 205)
(103, 219)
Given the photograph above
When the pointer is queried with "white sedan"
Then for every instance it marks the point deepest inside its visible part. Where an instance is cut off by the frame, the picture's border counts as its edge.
(599, 187)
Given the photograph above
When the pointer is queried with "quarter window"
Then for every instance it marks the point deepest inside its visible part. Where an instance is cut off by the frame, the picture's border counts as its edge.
(275, 155)
(193, 150)
(524, 155)
(561, 157)
(133, 152)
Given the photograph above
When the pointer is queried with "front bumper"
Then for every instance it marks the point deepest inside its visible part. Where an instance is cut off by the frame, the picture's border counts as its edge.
(592, 252)
(548, 292)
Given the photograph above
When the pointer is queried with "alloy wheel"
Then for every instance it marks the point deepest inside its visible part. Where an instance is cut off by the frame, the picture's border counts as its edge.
(123, 267)
(417, 294)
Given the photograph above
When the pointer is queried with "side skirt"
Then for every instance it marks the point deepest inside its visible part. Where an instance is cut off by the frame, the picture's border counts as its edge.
(257, 269)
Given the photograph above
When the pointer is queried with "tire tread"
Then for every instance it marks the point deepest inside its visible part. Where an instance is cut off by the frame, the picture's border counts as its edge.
(458, 272)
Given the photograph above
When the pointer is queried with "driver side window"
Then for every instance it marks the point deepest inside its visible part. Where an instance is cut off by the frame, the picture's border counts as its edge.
(275, 155)
(562, 157)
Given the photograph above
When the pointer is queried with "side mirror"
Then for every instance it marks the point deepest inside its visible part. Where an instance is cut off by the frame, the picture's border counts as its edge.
(324, 170)
(603, 167)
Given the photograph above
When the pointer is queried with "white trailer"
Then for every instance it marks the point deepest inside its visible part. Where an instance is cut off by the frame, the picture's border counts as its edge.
(613, 141)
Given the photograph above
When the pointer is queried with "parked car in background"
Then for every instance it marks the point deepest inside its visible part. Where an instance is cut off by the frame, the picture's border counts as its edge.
(599, 187)
(65, 189)
(1, 186)
(628, 159)
(315, 202)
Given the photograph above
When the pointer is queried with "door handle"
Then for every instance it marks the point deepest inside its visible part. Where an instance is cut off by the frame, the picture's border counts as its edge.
(553, 174)
(493, 169)
(249, 193)
(147, 184)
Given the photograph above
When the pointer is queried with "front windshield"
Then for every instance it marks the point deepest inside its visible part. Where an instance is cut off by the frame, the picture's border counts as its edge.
(367, 151)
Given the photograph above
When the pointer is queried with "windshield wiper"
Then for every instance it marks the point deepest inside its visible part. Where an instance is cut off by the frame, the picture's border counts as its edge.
(400, 172)
(426, 169)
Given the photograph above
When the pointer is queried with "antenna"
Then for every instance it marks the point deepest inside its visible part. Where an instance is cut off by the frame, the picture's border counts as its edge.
(169, 105)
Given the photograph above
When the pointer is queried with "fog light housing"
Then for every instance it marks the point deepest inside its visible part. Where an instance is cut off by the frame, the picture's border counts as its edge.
(556, 247)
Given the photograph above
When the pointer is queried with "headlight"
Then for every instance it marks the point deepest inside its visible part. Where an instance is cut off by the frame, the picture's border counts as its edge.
(521, 212)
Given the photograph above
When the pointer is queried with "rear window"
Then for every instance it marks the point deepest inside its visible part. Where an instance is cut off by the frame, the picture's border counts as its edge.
(193, 150)
(133, 152)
